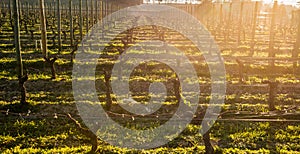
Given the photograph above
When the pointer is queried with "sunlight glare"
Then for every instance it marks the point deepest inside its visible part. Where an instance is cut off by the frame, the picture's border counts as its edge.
(285, 2)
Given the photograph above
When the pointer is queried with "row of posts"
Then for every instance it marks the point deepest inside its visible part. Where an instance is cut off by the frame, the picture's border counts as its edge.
(94, 10)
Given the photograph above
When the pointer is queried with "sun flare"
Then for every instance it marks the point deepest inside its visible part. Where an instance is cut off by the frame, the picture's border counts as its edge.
(285, 2)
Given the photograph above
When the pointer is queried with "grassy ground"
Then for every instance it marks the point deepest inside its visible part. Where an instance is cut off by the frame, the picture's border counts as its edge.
(42, 127)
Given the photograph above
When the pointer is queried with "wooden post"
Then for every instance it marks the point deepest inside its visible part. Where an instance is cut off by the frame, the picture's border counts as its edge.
(272, 34)
(80, 20)
(293, 18)
(194, 11)
(240, 23)
(59, 25)
(27, 9)
(87, 15)
(21, 77)
(43, 29)
(106, 8)
(50, 8)
(54, 8)
(92, 12)
(101, 10)
(272, 94)
(61, 8)
(221, 14)
(36, 6)
(4, 6)
(213, 15)
(64, 9)
(10, 13)
(113, 7)
(1, 8)
(97, 13)
(227, 27)
(103, 13)
(20, 10)
(110, 9)
(44, 39)
(297, 44)
(30, 5)
(254, 28)
(71, 22)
